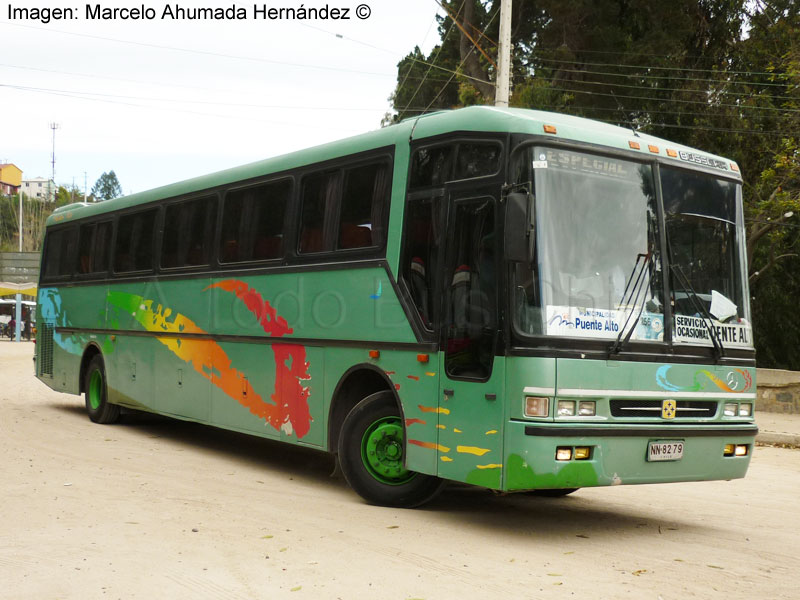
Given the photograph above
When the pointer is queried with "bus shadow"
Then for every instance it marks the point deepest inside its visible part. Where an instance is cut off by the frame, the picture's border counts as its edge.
(297, 462)
(581, 517)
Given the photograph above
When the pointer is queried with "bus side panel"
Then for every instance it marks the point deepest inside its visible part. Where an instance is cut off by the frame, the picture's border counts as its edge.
(131, 309)
(182, 364)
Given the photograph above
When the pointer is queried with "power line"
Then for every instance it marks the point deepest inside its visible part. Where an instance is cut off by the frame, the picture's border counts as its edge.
(674, 78)
(200, 52)
(654, 67)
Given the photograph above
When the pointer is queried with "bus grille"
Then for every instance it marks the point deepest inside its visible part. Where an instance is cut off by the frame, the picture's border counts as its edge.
(687, 409)
(44, 342)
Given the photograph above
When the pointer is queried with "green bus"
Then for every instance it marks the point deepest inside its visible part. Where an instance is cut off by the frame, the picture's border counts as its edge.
(514, 299)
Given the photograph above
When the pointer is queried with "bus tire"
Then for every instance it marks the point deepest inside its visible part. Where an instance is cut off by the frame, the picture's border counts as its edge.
(97, 406)
(371, 456)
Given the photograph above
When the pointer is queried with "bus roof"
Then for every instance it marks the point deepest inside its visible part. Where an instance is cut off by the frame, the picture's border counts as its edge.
(470, 119)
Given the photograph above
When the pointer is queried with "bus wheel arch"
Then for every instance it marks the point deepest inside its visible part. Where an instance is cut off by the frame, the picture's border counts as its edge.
(358, 382)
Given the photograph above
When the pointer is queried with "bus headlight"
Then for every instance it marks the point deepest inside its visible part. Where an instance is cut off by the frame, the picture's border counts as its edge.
(746, 410)
(566, 408)
(731, 409)
(587, 409)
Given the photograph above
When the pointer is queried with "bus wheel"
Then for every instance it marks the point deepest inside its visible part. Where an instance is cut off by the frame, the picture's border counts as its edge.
(371, 456)
(554, 493)
(97, 405)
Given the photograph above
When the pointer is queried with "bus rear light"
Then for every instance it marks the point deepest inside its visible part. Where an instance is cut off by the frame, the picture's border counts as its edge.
(563, 454)
(735, 167)
(375, 354)
(587, 409)
(741, 450)
(736, 450)
(537, 407)
(583, 453)
(422, 358)
(550, 129)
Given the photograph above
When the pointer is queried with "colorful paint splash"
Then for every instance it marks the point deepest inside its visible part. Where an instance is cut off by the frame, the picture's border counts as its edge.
(289, 411)
(738, 381)
(291, 366)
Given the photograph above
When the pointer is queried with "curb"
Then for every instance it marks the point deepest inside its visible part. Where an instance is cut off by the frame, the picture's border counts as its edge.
(783, 439)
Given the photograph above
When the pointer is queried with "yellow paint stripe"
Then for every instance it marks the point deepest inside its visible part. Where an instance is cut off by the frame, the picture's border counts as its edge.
(446, 458)
(429, 374)
(433, 409)
(472, 450)
(491, 432)
(457, 430)
(441, 427)
(491, 466)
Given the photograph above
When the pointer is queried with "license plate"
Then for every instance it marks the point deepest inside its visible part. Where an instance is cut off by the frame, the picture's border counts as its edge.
(672, 450)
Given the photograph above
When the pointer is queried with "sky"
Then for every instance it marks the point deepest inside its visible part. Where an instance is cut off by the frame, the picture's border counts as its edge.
(161, 99)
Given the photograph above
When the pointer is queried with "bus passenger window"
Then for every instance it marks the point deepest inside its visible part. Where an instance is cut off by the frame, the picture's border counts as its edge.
(363, 199)
(187, 231)
(59, 253)
(420, 255)
(252, 222)
(134, 248)
(319, 191)
(93, 248)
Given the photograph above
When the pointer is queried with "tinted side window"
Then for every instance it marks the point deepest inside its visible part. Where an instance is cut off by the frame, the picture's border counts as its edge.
(423, 236)
(252, 222)
(187, 233)
(319, 195)
(477, 159)
(59, 253)
(93, 248)
(363, 200)
(134, 248)
(432, 166)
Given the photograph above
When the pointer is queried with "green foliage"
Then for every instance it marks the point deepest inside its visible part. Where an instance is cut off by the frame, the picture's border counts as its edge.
(721, 75)
(107, 187)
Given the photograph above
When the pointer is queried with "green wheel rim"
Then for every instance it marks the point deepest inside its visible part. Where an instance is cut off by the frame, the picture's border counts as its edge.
(95, 390)
(382, 451)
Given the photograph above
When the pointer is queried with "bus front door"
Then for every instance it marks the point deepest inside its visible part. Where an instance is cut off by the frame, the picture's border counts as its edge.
(472, 378)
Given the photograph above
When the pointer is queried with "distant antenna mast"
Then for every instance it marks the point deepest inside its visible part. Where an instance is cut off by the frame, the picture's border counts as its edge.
(52, 181)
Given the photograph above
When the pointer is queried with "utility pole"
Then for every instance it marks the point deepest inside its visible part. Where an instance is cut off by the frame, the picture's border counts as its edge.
(503, 55)
(53, 126)
(84, 186)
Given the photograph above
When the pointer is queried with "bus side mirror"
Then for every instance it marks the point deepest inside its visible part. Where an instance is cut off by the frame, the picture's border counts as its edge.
(518, 228)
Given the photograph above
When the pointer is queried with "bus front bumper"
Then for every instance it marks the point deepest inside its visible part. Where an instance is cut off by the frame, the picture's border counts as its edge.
(570, 455)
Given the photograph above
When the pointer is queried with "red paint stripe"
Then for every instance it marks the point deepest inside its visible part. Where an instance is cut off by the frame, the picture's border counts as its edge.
(414, 421)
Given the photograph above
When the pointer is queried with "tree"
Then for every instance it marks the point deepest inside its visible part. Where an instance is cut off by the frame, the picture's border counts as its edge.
(107, 187)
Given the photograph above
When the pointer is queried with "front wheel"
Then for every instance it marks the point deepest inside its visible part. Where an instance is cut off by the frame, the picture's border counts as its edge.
(97, 405)
(371, 449)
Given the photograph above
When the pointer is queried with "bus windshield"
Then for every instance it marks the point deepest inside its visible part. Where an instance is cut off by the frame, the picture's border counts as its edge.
(597, 267)
(596, 249)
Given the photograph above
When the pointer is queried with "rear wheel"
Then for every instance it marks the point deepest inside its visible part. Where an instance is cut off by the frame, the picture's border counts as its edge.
(97, 405)
(371, 454)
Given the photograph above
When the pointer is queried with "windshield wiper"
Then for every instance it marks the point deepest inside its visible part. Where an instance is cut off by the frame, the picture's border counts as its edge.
(633, 298)
(719, 349)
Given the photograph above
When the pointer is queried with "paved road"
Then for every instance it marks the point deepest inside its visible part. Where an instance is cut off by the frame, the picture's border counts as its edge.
(154, 508)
